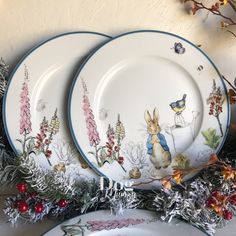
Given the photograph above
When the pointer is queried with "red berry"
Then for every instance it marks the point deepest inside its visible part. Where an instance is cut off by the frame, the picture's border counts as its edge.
(21, 187)
(22, 206)
(232, 200)
(228, 215)
(62, 203)
(38, 207)
(210, 202)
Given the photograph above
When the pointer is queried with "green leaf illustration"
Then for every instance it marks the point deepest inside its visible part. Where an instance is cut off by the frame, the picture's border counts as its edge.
(20, 141)
(211, 138)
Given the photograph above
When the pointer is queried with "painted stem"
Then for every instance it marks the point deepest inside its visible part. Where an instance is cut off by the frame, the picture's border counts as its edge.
(24, 143)
(118, 152)
(123, 168)
(47, 147)
(220, 125)
(229, 83)
(49, 162)
(96, 155)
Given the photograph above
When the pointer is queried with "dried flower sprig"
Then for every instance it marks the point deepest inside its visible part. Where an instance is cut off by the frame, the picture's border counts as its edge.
(218, 202)
(216, 9)
(232, 90)
(179, 174)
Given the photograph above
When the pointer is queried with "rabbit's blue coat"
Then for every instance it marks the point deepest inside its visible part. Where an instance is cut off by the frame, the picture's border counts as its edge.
(163, 143)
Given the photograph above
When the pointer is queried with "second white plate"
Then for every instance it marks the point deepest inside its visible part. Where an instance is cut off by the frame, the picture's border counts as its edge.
(35, 103)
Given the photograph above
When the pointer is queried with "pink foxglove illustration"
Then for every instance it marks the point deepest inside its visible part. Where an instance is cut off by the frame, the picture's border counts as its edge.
(25, 116)
(25, 123)
(99, 225)
(40, 143)
(216, 100)
(112, 224)
(110, 152)
(92, 132)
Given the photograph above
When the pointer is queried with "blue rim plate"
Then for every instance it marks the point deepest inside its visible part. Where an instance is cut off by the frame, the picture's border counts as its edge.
(34, 104)
(147, 102)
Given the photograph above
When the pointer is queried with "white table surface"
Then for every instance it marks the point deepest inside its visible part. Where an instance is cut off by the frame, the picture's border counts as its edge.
(24, 23)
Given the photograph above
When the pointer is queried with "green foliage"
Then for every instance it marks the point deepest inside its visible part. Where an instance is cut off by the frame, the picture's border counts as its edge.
(211, 138)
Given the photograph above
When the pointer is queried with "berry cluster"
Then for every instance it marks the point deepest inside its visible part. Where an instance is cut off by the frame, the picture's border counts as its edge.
(30, 202)
(23, 204)
(219, 203)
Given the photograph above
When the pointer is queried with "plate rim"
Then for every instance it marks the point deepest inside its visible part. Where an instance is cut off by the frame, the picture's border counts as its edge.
(96, 170)
(27, 54)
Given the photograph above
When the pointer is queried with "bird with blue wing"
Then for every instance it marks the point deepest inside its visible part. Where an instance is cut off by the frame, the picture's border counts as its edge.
(178, 107)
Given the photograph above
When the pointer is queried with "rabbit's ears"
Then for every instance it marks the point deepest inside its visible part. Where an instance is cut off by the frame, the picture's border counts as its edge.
(148, 117)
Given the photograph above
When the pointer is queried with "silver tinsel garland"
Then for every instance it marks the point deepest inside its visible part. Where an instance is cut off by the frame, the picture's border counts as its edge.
(186, 201)
(189, 204)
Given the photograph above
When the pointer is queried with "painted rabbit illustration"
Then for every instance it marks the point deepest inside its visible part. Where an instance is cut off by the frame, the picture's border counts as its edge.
(156, 143)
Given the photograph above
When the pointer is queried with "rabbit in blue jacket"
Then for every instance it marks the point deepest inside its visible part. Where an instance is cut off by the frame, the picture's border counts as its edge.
(157, 146)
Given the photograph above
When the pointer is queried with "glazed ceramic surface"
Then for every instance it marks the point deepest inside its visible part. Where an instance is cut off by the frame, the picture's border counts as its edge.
(145, 103)
(134, 222)
(36, 102)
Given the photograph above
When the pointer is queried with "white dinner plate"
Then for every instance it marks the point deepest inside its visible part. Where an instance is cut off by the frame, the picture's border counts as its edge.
(35, 103)
(134, 222)
(145, 103)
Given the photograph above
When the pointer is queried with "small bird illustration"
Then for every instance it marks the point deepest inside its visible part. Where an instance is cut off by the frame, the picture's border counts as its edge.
(178, 107)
